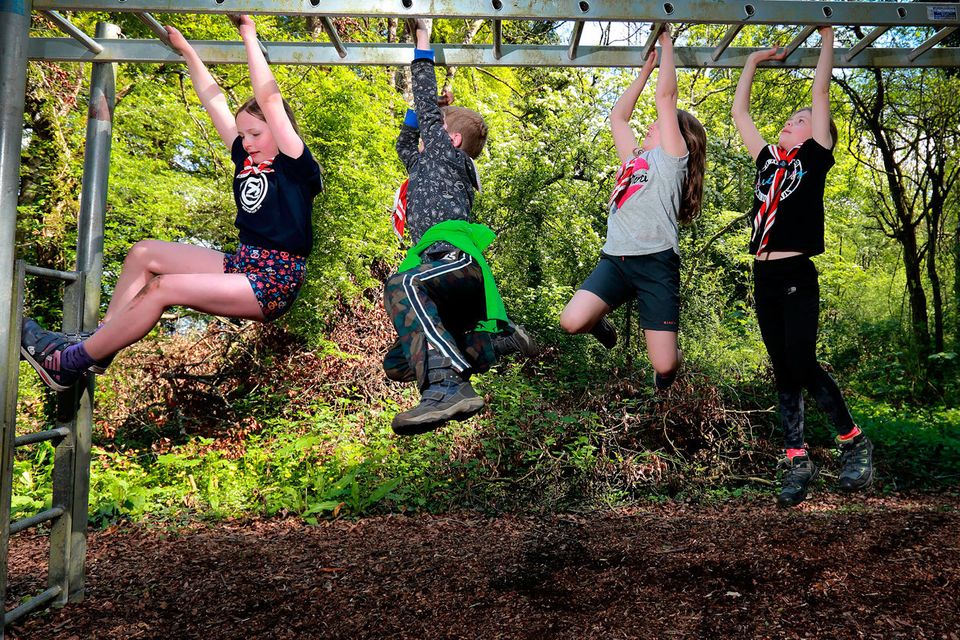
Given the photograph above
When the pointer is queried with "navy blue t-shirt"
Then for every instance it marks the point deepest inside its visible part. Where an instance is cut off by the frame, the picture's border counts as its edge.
(274, 208)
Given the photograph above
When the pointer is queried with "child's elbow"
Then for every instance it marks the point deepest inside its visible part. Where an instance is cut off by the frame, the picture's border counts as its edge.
(667, 96)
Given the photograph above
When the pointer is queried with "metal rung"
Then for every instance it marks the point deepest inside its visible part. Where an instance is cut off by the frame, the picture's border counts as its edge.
(71, 29)
(41, 436)
(53, 274)
(32, 604)
(32, 521)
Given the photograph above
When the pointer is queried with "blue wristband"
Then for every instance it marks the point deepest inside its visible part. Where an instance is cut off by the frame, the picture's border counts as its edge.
(411, 119)
(423, 54)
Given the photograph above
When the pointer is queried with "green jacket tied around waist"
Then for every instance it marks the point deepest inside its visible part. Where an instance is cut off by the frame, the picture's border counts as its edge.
(472, 239)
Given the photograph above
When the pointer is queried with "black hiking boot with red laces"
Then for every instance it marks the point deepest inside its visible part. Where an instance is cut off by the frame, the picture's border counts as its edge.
(800, 472)
(856, 462)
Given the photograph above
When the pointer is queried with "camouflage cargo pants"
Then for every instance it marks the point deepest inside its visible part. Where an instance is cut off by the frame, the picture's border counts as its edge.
(437, 305)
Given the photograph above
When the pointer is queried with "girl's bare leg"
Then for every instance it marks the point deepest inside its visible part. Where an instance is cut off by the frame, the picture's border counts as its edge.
(663, 352)
(149, 258)
(583, 312)
(222, 294)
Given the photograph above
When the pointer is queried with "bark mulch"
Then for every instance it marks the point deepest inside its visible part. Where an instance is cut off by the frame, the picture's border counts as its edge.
(837, 567)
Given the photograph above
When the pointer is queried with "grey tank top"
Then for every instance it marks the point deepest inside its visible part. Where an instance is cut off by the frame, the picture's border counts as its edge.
(644, 205)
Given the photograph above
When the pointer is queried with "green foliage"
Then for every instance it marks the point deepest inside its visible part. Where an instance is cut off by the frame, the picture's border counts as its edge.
(578, 428)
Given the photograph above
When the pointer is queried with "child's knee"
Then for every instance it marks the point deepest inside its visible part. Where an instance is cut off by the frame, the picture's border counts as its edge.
(666, 364)
(140, 253)
(569, 322)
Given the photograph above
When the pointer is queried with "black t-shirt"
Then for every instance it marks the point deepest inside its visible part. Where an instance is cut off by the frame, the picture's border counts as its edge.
(798, 223)
(274, 208)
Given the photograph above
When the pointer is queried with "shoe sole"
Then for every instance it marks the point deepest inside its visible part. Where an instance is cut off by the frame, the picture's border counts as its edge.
(47, 380)
(859, 487)
(416, 429)
(466, 408)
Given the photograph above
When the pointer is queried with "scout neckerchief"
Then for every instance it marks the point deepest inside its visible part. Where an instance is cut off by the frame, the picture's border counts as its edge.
(255, 169)
(767, 213)
(400, 209)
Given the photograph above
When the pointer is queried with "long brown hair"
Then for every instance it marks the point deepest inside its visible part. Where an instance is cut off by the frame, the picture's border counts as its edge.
(251, 107)
(692, 193)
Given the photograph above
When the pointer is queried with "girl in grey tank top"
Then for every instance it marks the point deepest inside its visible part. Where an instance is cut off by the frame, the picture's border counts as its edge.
(659, 184)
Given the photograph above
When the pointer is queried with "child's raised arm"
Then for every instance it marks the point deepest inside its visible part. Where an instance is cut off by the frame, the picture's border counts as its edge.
(266, 91)
(424, 80)
(820, 112)
(211, 97)
(623, 137)
(671, 140)
(741, 101)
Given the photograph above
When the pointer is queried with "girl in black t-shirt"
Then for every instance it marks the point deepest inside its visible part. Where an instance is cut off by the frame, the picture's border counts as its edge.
(275, 182)
(787, 228)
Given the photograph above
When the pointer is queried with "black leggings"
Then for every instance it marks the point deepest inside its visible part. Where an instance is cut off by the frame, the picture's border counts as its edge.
(787, 294)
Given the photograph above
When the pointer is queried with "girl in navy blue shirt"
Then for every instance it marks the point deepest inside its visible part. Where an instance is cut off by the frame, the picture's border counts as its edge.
(275, 182)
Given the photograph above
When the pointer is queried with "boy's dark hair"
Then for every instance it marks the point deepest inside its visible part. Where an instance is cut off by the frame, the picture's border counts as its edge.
(695, 137)
(833, 125)
(251, 107)
(470, 125)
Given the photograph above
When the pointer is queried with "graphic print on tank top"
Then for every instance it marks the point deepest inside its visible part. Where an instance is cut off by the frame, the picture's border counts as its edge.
(633, 176)
(791, 179)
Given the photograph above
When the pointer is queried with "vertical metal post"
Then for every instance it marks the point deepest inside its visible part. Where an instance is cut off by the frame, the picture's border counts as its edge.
(14, 30)
(93, 205)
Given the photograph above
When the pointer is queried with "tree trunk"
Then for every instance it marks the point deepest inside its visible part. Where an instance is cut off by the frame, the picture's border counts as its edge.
(956, 286)
(902, 224)
(472, 30)
(933, 249)
(392, 38)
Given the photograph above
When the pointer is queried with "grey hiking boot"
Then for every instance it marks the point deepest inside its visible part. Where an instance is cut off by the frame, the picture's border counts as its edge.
(856, 461)
(516, 340)
(450, 398)
(41, 348)
(799, 474)
(605, 333)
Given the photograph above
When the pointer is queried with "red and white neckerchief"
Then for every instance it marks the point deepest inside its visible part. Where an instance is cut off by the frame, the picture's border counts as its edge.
(255, 169)
(767, 213)
(400, 209)
(399, 212)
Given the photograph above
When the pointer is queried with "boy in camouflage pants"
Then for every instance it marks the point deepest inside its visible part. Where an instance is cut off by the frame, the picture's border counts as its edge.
(443, 301)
